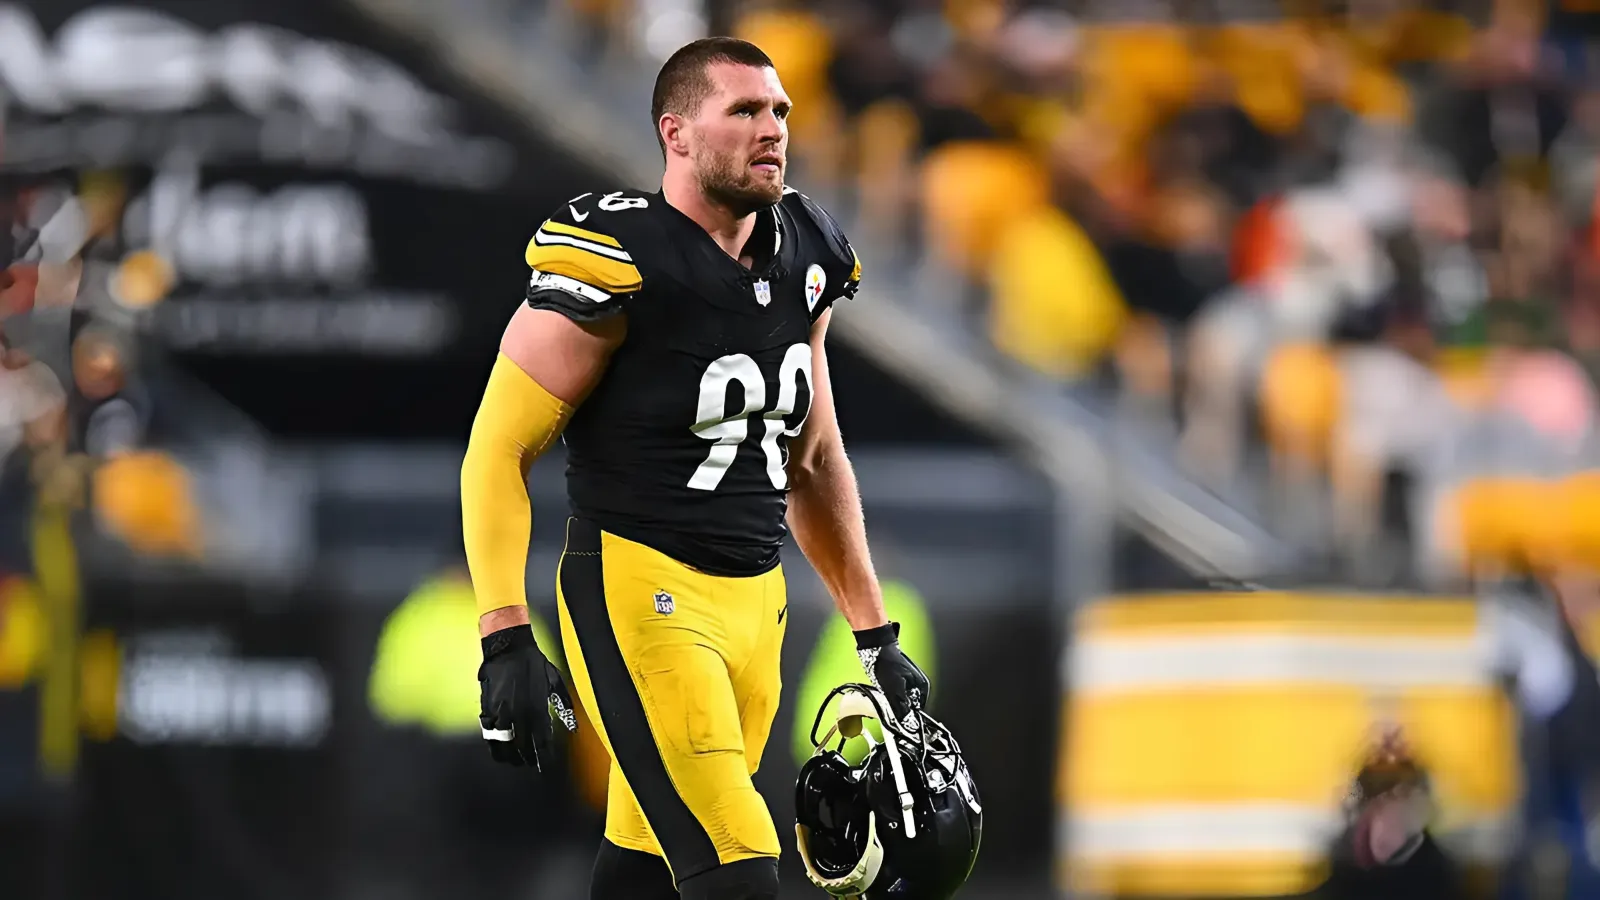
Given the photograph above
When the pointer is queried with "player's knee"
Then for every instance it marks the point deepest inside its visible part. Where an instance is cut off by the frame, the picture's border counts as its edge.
(620, 872)
(745, 824)
(746, 879)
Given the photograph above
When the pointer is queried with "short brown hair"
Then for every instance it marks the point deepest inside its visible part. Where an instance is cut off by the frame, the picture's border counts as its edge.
(682, 84)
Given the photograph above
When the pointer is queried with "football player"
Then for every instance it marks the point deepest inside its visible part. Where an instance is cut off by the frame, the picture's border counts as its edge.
(675, 342)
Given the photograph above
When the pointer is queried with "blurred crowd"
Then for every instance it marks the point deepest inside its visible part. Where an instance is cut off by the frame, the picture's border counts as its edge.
(1341, 256)
(1343, 259)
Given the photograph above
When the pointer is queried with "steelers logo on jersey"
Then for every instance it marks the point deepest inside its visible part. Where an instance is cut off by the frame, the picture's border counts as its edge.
(815, 282)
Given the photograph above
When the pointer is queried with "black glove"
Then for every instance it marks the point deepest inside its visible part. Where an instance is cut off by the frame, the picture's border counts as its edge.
(520, 690)
(892, 672)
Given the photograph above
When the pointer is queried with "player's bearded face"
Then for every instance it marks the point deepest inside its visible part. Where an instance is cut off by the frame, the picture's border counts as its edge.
(741, 140)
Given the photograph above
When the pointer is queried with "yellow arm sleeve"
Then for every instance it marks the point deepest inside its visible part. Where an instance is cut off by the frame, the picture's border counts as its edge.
(517, 420)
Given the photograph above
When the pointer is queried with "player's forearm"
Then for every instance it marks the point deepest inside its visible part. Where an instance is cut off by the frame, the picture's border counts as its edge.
(516, 421)
(826, 518)
(496, 521)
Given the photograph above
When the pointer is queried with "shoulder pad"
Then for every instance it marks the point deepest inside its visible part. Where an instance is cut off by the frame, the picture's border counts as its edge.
(583, 241)
(802, 206)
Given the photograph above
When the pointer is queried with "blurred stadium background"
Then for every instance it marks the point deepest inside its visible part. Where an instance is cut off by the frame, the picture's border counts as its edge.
(1223, 388)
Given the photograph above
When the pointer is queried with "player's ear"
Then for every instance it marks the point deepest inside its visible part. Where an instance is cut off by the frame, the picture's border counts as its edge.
(674, 134)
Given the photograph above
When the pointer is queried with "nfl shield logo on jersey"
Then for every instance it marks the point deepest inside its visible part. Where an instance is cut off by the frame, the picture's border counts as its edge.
(815, 282)
(763, 293)
(664, 603)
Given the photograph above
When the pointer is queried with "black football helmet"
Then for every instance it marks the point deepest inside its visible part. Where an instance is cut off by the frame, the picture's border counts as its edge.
(904, 824)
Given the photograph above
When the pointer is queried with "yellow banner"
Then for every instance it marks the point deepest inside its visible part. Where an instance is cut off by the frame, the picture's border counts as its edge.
(1210, 738)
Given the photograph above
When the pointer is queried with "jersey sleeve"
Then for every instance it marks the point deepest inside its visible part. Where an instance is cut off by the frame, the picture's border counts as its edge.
(852, 282)
(842, 263)
(580, 267)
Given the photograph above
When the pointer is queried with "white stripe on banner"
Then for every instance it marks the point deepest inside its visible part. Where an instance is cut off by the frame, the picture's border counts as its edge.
(1141, 664)
(1167, 832)
(1200, 830)
(543, 238)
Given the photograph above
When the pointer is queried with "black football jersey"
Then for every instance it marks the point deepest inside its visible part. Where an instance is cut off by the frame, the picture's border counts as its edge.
(682, 445)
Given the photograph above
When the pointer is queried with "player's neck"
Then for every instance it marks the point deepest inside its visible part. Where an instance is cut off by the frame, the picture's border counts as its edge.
(730, 230)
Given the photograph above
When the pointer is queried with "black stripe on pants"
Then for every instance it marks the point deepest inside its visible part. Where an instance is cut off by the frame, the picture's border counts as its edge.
(688, 847)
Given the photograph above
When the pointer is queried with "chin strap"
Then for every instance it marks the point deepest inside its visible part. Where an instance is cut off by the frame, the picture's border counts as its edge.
(856, 703)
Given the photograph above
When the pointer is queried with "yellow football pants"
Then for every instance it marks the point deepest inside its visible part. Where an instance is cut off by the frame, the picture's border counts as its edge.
(679, 672)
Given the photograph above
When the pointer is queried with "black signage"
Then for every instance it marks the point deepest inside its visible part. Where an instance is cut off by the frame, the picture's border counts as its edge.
(300, 205)
(220, 761)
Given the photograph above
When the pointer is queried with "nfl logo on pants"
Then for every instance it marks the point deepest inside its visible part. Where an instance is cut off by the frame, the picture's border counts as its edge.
(664, 603)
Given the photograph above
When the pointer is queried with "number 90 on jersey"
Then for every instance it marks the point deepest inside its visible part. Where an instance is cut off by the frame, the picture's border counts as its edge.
(713, 423)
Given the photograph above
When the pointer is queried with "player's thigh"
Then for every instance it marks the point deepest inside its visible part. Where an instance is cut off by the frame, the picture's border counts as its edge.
(695, 722)
(759, 683)
(653, 649)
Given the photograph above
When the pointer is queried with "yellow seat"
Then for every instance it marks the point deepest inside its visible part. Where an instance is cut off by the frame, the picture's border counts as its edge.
(1413, 35)
(1134, 76)
(970, 191)
(1263, 62)
(1376, 93)
(974, 20)
(1054, 305)
(1579, 497)
(1154, 60)
(1300, 397)
(1503, 522)
(1269, 64)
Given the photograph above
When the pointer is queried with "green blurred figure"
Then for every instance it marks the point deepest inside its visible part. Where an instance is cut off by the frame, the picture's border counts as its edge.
(425, 670)
(834, 662)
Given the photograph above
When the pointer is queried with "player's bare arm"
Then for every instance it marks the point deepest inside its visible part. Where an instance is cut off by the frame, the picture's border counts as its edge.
(825, 504)
(544, 356)
(826, 518)
(564, 356)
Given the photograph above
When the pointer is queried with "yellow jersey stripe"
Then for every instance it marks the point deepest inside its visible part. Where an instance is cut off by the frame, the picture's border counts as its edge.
(583, 264)
(582, 233)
